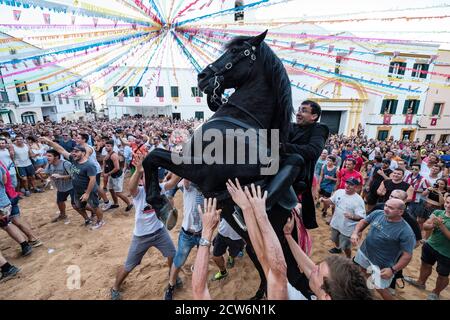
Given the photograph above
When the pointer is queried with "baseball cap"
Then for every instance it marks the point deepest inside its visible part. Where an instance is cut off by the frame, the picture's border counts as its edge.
(353, 181)
(79, 148)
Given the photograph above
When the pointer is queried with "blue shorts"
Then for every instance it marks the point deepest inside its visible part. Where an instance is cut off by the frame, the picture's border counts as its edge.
(15, 211)
(185, 243)
(26, 171)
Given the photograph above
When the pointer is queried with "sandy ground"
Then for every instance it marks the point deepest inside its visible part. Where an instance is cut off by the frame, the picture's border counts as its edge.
(46, 273)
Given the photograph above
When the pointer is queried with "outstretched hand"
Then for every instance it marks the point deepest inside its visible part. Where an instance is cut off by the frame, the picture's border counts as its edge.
(211, 216)
(237, 194)
(257, 199)
(289, 226)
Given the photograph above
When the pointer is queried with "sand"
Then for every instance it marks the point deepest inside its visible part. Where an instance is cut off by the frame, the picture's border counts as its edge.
(48, 272)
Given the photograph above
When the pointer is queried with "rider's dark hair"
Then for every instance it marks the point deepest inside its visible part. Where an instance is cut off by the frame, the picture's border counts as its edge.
(315, 107)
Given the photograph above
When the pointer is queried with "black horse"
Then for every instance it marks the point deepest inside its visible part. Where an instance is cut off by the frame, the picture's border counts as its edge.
(262, 100)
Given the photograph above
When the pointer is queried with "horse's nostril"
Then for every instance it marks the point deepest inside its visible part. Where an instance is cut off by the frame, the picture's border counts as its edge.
(201, 75)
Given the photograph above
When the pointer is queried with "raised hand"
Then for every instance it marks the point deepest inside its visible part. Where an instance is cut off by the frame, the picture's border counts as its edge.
(237, 194)
(257, 199)
(210, 216)
(289, 226)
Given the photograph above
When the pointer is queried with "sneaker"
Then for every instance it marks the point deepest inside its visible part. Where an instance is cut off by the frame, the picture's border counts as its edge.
(36, 243)
(433, 296)
(413, 282)
(87, 222)
(27, 250)
(27, 193)
(168, 295)
(129, 207)
(37, 190)
(98, 225)
(60, 217)
(106, 206)
(241, 254)
(335, 251)
(13, 271)
(219, 276)
(113, 206)
(115, 294)
(230, 262)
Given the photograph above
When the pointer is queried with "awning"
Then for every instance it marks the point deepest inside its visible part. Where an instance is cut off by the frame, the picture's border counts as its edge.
(4, 111)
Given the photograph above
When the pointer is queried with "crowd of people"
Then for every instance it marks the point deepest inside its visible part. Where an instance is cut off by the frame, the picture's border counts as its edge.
(399, 189)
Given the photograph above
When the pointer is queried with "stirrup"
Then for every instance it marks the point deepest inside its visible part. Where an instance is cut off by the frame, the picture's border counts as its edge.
(239, 219)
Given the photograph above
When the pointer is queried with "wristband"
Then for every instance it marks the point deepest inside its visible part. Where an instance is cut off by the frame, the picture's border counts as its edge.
(393, 270)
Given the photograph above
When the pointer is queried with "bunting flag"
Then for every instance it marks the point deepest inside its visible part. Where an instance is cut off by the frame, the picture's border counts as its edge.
(433, 122)
(16, 14)
(46, 18)
(72, 19)
(408, 119)
(387, 118)
(95, 20)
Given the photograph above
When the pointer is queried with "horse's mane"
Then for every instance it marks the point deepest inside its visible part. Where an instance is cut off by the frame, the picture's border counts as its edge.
(276, 74)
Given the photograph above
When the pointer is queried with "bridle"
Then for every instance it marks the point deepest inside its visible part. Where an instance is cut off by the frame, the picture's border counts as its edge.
(218, 73)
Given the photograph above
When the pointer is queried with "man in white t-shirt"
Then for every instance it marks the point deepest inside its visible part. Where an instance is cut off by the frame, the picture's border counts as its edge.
(148, 232)
(190, 233)
(6, 157)
(24, 165)
(349, 209)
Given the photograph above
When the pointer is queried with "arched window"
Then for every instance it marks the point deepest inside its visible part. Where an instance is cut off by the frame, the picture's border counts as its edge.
(29, 117)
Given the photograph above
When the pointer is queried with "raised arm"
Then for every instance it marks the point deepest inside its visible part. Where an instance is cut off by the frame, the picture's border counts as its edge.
(277, 273)
(55, 146)
(303, 261)
(134, 180)
(210, 219)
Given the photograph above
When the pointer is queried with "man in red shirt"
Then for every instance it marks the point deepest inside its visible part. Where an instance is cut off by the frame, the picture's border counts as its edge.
(359, 160)
(349, 172)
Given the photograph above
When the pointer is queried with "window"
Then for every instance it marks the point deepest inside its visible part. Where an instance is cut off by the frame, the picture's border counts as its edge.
(411, 106)
(67, 99)
(337, 68)
(29, 117)
(160, 92)
(382, 135)
(174, 92)
(120, 91)
(176, 116)
(418, 67)
(437, 108)
(389, 106)
(199, 115)
(44, 89)
(60, 99)
(239, 15)
(444, 138)
(195, 91)
(429, 137)
(397, 68)
(135, 91)
(21, 86)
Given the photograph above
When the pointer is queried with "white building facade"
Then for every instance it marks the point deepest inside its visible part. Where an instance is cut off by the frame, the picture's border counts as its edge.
(24, 95)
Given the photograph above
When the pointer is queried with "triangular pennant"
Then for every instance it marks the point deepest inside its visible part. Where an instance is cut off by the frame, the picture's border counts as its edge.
(73, 19)
(330, 48)
(95, 20)
(16, 14)
(46, 18)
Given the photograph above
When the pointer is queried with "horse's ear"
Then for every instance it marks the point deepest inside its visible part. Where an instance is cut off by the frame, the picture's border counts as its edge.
(256, 41)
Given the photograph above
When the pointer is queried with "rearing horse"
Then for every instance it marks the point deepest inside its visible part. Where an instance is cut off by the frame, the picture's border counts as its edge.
(262, 100)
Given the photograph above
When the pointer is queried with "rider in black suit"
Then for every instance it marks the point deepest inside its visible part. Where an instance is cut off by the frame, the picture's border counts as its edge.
(307, 138)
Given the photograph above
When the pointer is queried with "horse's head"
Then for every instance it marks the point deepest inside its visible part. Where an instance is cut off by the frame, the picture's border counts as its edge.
(232, 68)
